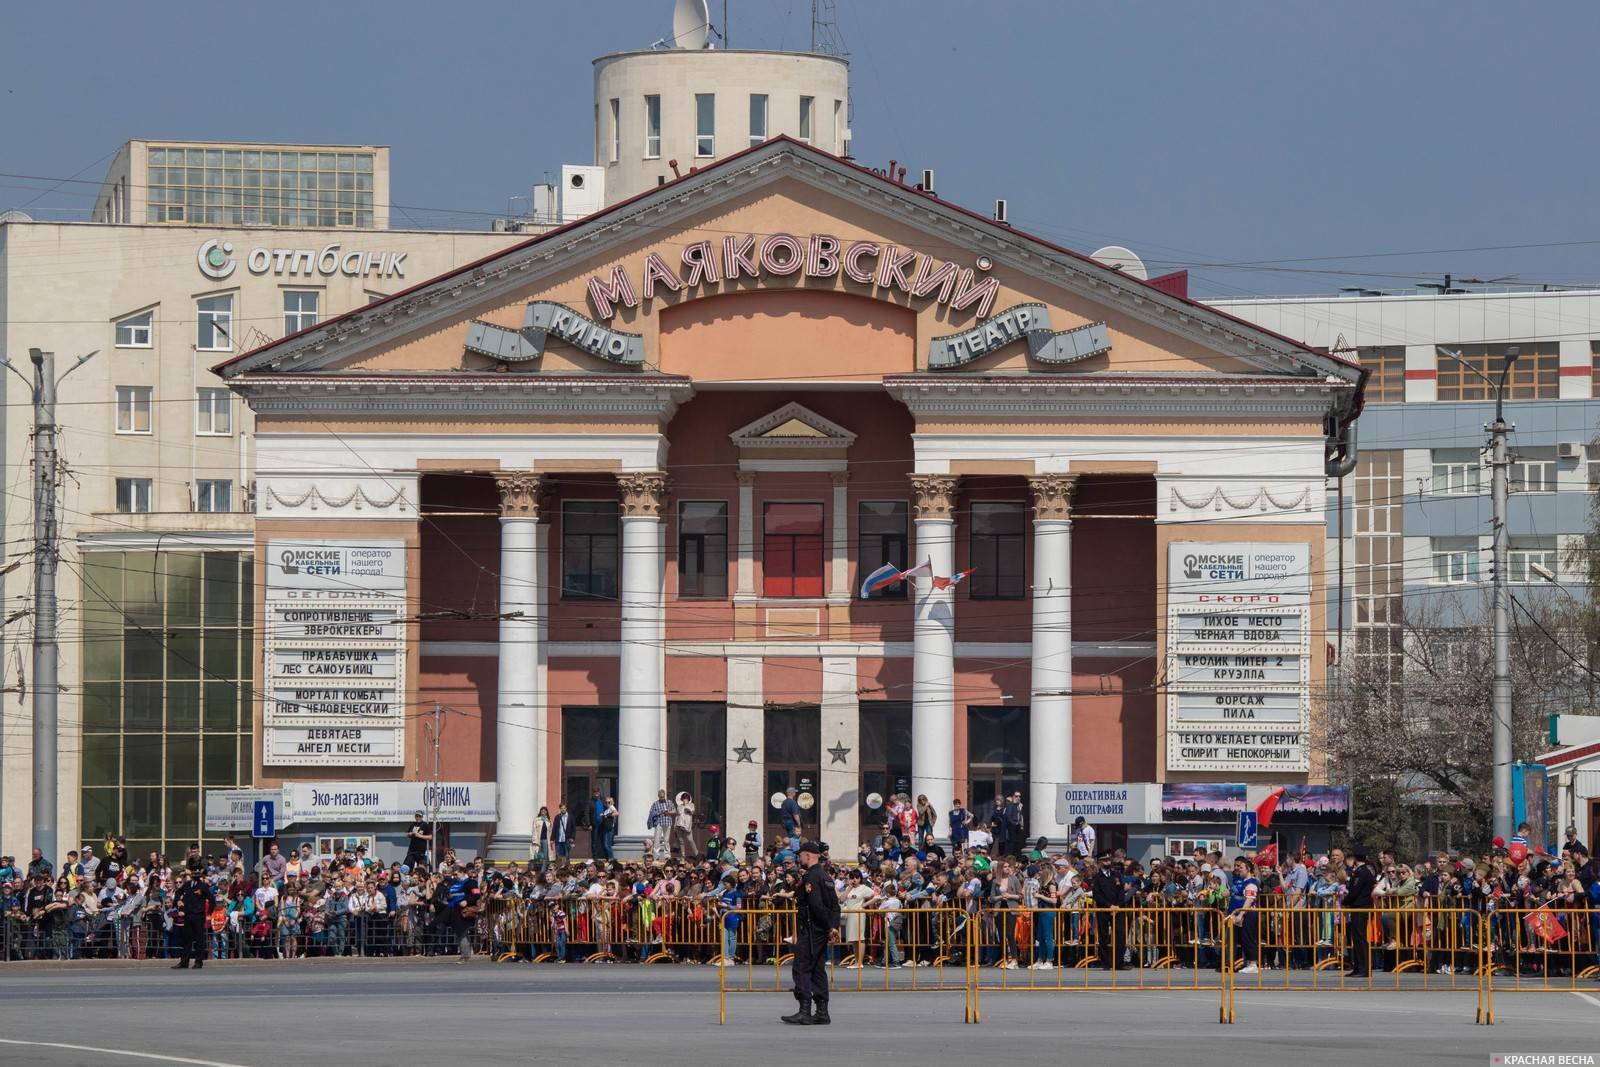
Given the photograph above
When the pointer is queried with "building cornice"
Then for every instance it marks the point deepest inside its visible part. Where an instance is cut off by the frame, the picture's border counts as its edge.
(653, 396)
(1038, 396)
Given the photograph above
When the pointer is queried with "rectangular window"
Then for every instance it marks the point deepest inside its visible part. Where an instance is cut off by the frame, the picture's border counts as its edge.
(652, 127)
(1532, 470)
(1593, 467)
(133, 495)
(299, 309)
(703, 549)
(758, 117)
(1536, 375)
(791, 550)
(1455, 560)
(214, 412)
(808, 107)
(213, 495)
(215, 316)
(705, 124)
(134, 331)
(998, 547)
(838, 125)
(1526, 553)
(1386, 366)
(133, 408)
(881, 538)
(254, 188)
(590, 548)
(616, 129)
(1455, 470)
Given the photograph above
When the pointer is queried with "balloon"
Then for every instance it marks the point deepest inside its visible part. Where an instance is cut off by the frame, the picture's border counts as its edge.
(1518, 852)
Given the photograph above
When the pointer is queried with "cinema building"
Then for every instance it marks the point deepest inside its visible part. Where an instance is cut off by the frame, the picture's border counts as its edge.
(594, 512)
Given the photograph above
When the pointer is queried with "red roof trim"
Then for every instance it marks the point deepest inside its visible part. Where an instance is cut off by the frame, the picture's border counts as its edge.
(1572, 754)
(867, 174)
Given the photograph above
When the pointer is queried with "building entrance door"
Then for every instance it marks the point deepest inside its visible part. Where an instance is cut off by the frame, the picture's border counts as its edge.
(885, 763)
(997, 764)
(588, 763)
(793, 752)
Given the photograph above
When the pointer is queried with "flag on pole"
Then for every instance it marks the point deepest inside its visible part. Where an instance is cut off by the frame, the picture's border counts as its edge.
(955, 579)
(1268, 807)
(882, 578)
(925, 567)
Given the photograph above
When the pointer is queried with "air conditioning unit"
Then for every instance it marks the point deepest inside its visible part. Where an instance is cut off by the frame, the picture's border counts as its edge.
(1569, 450)
(583, 191)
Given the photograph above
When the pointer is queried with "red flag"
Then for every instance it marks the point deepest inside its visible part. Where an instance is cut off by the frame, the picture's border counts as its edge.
(1547, 926)
(1268, 857)
(955, 579)
(1268, 808)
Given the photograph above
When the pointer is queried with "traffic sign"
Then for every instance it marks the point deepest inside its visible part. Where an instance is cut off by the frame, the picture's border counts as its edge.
(262, 822)
(1247, 829)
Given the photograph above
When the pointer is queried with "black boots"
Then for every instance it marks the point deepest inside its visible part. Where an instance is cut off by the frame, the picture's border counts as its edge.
(802, 1014)
(820, 1016)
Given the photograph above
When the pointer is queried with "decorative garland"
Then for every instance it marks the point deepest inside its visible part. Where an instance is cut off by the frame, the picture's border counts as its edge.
(316, 496)
(1260, 500)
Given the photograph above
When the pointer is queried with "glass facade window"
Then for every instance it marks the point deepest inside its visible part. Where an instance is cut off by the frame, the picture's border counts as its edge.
(881, 535)
(213, 494)
(133, 408)
(166, 645)
(1524, 554)
(998, 549)
(214, 316)
(1536, 375)
(652, 126)
(808, 111)
(134, 331)
(133, 495)
(299, 309)
(758, 118)
(705, 124)
(703, 549)
(1455, 560)
(1386, 381)
(1532, 470)
(590, 548)
(791, 551)
(247, 187)
(1456, 470)
(213, 412)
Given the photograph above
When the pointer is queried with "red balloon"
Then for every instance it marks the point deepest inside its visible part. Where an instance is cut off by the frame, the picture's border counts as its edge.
(1518, 852)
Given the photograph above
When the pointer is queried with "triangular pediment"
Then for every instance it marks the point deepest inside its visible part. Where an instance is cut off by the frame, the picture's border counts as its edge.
(1055, 315)
(792, 426)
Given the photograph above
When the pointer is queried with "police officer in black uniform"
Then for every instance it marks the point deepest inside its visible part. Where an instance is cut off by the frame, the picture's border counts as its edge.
(195, 900)
(816, 925)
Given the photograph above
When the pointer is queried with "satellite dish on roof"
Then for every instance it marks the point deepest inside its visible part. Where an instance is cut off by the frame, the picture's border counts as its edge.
(1118, 258)
(691, 24)
(15, 215)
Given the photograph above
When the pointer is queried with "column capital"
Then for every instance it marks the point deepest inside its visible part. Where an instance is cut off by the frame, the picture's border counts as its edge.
(839, 478)
(745, 477)
(936, 496)
(519, 494)
(644, 493)
(1052, 496)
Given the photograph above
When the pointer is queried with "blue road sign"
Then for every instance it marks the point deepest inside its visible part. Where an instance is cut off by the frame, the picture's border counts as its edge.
(263, 823)
(1246, 834)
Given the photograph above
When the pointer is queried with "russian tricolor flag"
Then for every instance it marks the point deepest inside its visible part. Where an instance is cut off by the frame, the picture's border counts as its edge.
(882, 578)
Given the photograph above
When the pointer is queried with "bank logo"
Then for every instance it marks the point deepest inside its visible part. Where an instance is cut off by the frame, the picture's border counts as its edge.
(216, 259)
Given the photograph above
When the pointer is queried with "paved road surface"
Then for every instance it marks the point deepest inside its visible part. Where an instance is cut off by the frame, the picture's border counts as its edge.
(419, 1011)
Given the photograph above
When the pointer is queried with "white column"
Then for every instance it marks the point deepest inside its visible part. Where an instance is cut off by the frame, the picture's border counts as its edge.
(933, 711)
(642, 658)
(747, 745)
(1050, 705)
(745, 578)
(519, 774)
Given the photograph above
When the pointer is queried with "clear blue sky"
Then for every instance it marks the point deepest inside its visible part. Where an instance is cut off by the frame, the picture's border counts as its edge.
(1195, 133)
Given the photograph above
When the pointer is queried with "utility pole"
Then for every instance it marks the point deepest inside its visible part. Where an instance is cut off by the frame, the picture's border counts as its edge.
(45, 562)
(1500, 463)
(1500, 693)
(433, 814)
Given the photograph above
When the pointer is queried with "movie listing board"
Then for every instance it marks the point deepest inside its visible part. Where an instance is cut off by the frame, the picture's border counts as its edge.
(335, 653)
(1238, 656)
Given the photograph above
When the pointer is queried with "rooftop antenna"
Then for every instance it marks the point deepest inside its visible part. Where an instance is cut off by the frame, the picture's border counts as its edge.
(825, 36)
(691, 24)
(1119, 258)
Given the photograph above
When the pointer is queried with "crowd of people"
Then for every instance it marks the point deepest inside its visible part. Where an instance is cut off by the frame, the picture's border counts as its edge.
(908, 900)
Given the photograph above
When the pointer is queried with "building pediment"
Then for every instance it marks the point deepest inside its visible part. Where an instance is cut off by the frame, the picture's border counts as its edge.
(792, 427)
(789, 236)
